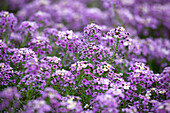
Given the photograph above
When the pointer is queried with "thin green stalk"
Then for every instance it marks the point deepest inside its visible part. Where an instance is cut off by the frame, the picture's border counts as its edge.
(64, 55)
(139, 101)
(6, 37)
(115, 51)
(66, 91)
(28, 93)
(77, 56)
(49, 79)
(124, 63)
(117, 16)
(22, 44)
(123, 67)
(80, 77)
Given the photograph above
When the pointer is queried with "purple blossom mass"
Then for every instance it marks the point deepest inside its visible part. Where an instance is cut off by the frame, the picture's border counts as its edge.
(84, 56)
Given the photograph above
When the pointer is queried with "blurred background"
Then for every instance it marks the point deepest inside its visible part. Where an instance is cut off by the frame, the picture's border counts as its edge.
(143, 18)
(147, 21)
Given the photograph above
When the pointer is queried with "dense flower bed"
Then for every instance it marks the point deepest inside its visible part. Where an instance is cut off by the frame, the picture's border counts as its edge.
(85, 56)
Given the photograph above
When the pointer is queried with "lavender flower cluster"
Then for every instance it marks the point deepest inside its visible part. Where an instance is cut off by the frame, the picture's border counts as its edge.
(85, 56)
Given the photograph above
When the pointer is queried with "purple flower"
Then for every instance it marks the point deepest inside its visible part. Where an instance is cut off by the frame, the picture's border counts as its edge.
(28, 27)
(42, 18)
(105, 103)
(21, 55)
(86, 71)
(37, 105)
(7, 21)
(7, 74)
(9, 95)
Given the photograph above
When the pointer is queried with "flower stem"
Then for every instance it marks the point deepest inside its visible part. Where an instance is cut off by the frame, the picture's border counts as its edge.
(64, 55)
(139, 101)
(22, 44)
(6, 37)
(124, 63)
(28, 93)
(115, 51)
(77, 56)
(80, 78)
(117, 16)
(49, 79)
